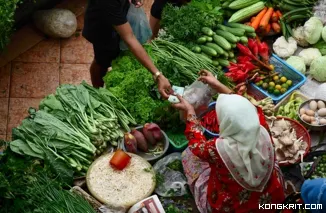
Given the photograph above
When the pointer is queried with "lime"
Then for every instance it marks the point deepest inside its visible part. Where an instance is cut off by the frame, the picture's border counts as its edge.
(289, 82)
(265, 85)
(277, 92)
(283, 79)
(271, 84)
(275, 78)
(277, 81)
(285, 86)
(259, 83)
(270, 89)
(283, 90)
(278, 87)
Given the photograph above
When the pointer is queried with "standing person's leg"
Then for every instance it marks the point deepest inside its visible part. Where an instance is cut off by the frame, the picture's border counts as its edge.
(104, 54)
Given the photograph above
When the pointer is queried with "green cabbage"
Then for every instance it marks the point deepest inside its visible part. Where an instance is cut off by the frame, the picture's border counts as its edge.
(318, 69)
(323, 33)
(297, 63)
(312, 30)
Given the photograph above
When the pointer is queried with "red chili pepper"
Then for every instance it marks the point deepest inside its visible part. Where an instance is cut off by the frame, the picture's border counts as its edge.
(246, 51)
(264, 51)
(253, 46)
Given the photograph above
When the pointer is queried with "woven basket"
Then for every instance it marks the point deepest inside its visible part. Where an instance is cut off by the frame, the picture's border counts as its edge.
(301, 132)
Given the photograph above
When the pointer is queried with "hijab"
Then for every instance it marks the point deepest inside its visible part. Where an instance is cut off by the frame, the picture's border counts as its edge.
(244, 145)
(314, 192)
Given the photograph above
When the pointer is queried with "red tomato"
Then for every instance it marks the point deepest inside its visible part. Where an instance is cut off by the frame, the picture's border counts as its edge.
(120, 160)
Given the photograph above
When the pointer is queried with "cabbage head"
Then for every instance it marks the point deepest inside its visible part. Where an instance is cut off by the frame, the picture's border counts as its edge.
(312, 30)
(297, 63)
(318, 69)
(323, 33)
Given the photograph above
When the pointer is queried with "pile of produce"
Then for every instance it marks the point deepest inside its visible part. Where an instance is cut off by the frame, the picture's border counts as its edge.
(72, 127)
(151, 136)
(209, 121)
(183, 27)
(314, 114)
(252, 65)
(267, 104)
(243, 9)
(276, 84)
(185, 61)
(266, 22)
(291, 108)
(311, 36)
(288, 147)
(319, 167)
(218, 46)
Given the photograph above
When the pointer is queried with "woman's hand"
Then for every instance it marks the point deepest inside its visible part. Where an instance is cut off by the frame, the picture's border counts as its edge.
(208, 78)
(184, 106)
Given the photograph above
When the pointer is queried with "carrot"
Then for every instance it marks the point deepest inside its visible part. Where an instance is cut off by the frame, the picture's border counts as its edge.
(275, 17)
(279, 14)
(265, 20)
(276, 27)
(268, 28)
(248, 23)
(252, 19)
(260, 15)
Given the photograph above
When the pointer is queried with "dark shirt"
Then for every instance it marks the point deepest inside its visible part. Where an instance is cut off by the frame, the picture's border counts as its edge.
(158, 5)
(101, 16)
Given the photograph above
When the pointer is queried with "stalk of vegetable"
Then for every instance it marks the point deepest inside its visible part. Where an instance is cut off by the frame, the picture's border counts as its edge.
(188, 63)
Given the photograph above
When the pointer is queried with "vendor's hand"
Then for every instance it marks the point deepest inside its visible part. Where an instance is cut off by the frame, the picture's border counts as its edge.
(184, 105)
(138, 4)
(208, 78)
(164, 87)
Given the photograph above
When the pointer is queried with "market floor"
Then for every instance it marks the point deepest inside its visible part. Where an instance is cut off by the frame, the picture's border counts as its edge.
(33, 66)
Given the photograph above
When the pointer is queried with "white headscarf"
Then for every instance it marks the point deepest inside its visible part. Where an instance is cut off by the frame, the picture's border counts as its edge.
(244, 145)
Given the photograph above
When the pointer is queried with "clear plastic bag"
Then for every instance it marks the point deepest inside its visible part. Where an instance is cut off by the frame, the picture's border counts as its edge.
(199, 95)
(139, 24)
(173, 182)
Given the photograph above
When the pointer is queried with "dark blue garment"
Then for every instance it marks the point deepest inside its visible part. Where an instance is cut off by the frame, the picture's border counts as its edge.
(314, 192)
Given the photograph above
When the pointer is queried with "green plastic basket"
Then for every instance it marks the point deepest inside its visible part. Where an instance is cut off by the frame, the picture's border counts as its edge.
(177, 146)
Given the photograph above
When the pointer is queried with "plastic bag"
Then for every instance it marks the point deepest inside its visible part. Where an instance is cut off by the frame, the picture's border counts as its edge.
(139, 24)
(199, 95)
(173, 182)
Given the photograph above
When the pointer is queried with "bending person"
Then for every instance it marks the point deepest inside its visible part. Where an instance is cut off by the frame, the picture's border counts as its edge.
(105, 24)
(236, 172)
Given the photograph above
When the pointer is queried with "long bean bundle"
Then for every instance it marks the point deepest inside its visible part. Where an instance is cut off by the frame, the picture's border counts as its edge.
(187, 62)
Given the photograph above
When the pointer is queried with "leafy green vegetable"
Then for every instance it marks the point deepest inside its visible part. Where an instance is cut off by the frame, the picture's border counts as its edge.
(184, 27)
(176, 165)
(7, 12)
(159, 179)
(55, 199)
(321, 46)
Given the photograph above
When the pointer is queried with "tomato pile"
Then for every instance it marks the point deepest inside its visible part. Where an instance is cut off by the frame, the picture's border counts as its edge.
(209, 122)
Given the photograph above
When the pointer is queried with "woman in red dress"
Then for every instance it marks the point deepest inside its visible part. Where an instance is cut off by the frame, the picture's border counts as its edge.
(238, 171)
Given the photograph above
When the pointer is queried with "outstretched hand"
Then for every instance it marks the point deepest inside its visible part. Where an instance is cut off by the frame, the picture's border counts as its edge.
(164, 87)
